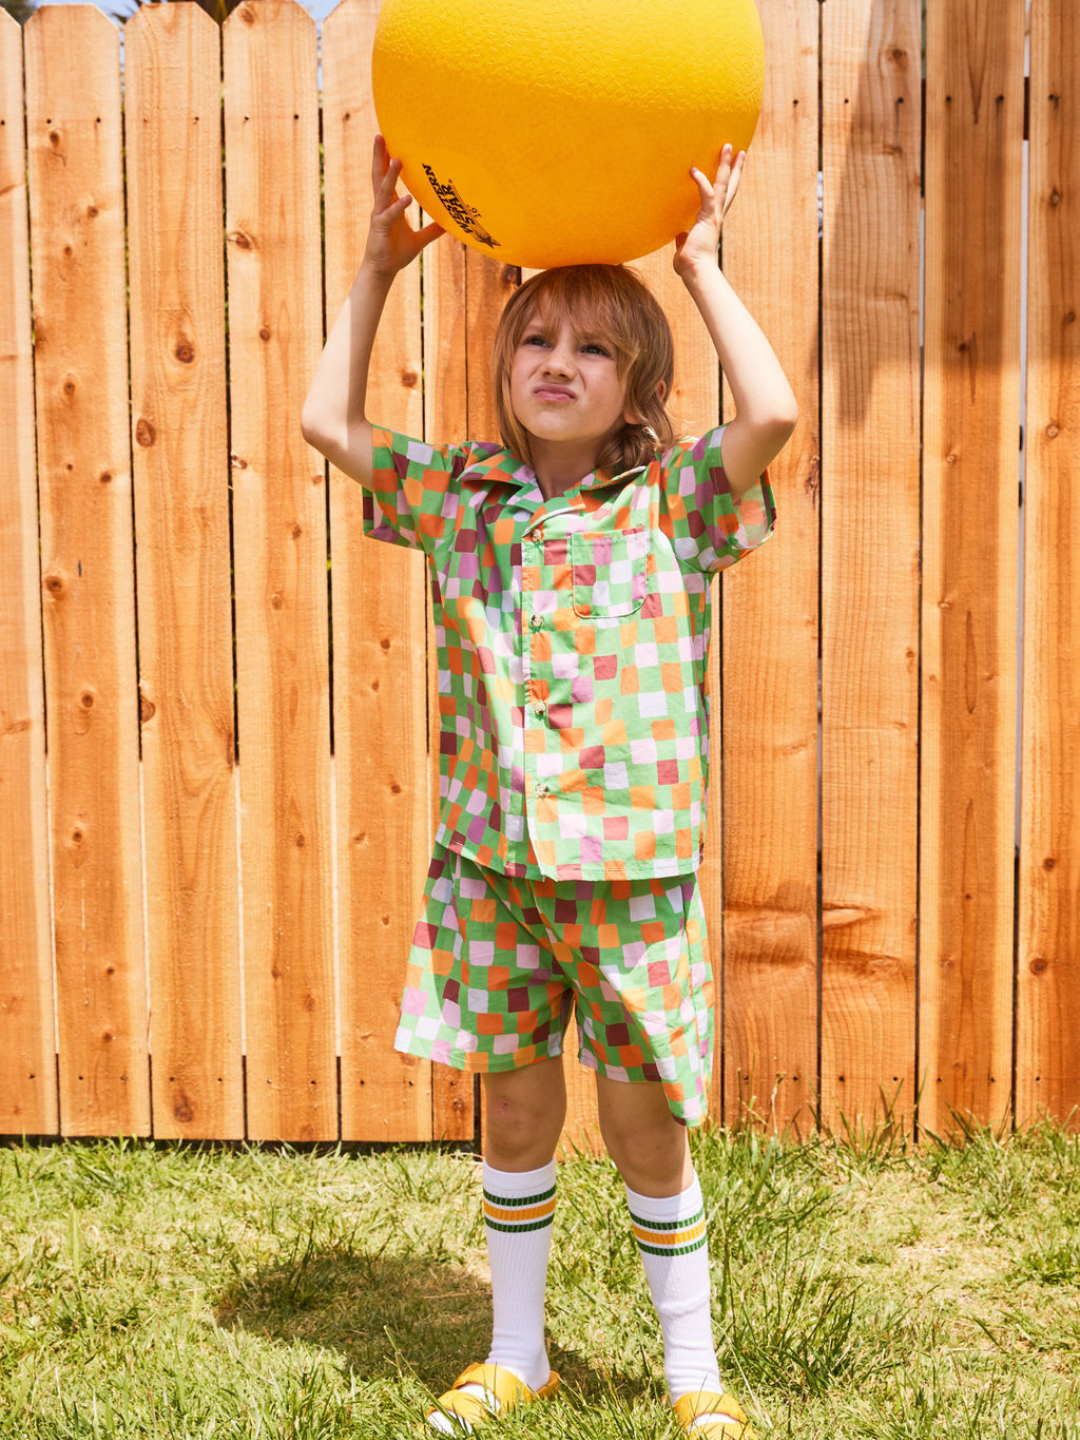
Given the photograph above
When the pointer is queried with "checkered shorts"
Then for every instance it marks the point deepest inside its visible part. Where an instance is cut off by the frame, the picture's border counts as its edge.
(498, 963)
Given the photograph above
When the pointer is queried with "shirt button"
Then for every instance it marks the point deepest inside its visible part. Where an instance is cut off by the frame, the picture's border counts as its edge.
(536, 622)
(538, 708)
(542, 791)
(536, 538)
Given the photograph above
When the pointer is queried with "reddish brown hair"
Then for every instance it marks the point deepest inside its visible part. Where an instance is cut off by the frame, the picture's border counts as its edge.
(611, 303)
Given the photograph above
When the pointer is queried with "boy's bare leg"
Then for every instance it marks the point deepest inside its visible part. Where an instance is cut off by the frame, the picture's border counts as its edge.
(523, 1118)
(644, 1139)
(525, 1113)
(651, 1150)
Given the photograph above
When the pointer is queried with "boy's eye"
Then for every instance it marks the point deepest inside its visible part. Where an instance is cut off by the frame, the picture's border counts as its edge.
(596, 346)
(534, 340)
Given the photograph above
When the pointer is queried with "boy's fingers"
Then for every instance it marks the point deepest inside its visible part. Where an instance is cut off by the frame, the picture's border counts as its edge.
(430, 232)
(705, 190)
(378, 164)
(385, 196)
(723, 168)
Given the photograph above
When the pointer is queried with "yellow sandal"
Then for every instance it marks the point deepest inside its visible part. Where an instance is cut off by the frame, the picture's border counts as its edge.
(505, 1389)
(708, 1402)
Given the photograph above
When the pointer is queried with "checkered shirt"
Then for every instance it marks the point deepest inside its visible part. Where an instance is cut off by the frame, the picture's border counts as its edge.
(572, 641)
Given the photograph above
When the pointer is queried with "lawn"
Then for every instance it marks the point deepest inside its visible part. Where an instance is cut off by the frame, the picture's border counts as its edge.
(861, 1290)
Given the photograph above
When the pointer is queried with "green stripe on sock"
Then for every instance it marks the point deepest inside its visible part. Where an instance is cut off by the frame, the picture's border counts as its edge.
(668, 1224)
(672, 1250)
(518, 1202)
(519, 1229)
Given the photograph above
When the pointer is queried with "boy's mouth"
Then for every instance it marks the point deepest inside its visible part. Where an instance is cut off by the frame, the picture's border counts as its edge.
(552, 392)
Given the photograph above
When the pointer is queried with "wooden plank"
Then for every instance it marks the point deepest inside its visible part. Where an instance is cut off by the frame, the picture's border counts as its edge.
(974, 134)
(279, 514)
(769, 623)
(453, 1111)
(177, 297)
(694, 406)
(28, 1100)
(871, 70)
(73, 121)
(581, 1131)
(380, 700)
(487, 287)
(1048, 1019)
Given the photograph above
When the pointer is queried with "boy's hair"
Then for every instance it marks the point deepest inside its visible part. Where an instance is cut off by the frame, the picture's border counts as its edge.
(611, 303)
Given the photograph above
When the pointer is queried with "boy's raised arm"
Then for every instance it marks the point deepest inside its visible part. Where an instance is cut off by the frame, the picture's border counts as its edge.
(765, 405)
(334, 418)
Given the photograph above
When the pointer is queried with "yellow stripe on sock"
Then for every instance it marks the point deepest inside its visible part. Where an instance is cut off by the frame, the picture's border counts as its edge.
(536, 1212)
(669, 1239)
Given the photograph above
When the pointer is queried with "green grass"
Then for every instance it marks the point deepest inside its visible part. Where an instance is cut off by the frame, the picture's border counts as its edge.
(861, 1289)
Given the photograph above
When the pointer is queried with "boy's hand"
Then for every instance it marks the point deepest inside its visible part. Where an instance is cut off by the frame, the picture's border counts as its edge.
(699, 245)
(392, 243)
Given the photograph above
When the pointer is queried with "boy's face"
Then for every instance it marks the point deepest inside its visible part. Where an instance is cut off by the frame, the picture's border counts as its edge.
(565, 387)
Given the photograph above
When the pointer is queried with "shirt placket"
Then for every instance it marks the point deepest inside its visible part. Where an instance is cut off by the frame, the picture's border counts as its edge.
(537, 586)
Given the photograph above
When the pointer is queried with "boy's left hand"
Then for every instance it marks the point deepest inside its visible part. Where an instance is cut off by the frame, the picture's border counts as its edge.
(699, 244)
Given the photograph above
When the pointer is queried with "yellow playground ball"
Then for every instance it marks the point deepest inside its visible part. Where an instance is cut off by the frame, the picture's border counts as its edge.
(562, 133)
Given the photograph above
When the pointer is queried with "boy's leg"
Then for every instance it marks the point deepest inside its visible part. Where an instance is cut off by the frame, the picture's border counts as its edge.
(523, 1117)
(524, 1114)
(650, 1149)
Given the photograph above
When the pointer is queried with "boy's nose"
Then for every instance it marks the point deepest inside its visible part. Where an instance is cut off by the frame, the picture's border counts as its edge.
(560, 360)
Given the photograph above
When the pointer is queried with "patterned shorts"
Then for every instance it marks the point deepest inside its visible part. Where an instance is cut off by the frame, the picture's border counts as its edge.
(497, 965)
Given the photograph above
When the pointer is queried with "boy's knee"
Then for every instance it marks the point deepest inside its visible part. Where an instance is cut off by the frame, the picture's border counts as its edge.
(524, 1116)
(514, 1140)
(517, 1121)
(623, 1137)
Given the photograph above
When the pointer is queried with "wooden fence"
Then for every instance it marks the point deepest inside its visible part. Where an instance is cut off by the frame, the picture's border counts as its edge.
(217, 800)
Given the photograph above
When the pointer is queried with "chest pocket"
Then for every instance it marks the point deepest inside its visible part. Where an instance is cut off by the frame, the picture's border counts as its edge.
(610, 572)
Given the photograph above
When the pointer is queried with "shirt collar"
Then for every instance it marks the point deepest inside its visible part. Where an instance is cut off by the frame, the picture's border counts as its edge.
(489, 462)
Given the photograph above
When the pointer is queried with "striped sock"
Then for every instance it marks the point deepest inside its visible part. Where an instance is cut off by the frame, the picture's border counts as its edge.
(518, 1210)
(673, 1239)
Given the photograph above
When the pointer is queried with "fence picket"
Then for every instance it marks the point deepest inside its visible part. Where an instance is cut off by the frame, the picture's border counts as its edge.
(1048, 971)
(380, 701)
(974, 137)
(768, 622)
(73, 121)
(179, 425)
(279, 528)
(28, 1101)
(870, 560)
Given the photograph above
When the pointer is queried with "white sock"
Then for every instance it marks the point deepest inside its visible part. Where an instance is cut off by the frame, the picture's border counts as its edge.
(673, 1241)
(518, 1210)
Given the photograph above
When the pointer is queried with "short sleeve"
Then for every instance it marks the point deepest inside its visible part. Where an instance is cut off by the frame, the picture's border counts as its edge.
(413, 494)
(709, 529)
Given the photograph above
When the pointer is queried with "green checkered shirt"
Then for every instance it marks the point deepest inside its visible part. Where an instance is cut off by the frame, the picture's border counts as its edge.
(572, 642)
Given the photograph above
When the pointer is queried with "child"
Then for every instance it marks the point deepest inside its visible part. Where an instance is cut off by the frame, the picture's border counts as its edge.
(570, 570)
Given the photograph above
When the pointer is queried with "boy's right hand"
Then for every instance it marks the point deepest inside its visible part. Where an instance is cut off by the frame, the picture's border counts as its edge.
(392, 243)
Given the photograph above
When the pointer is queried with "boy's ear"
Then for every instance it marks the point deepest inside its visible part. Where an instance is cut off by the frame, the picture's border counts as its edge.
(631, 417)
